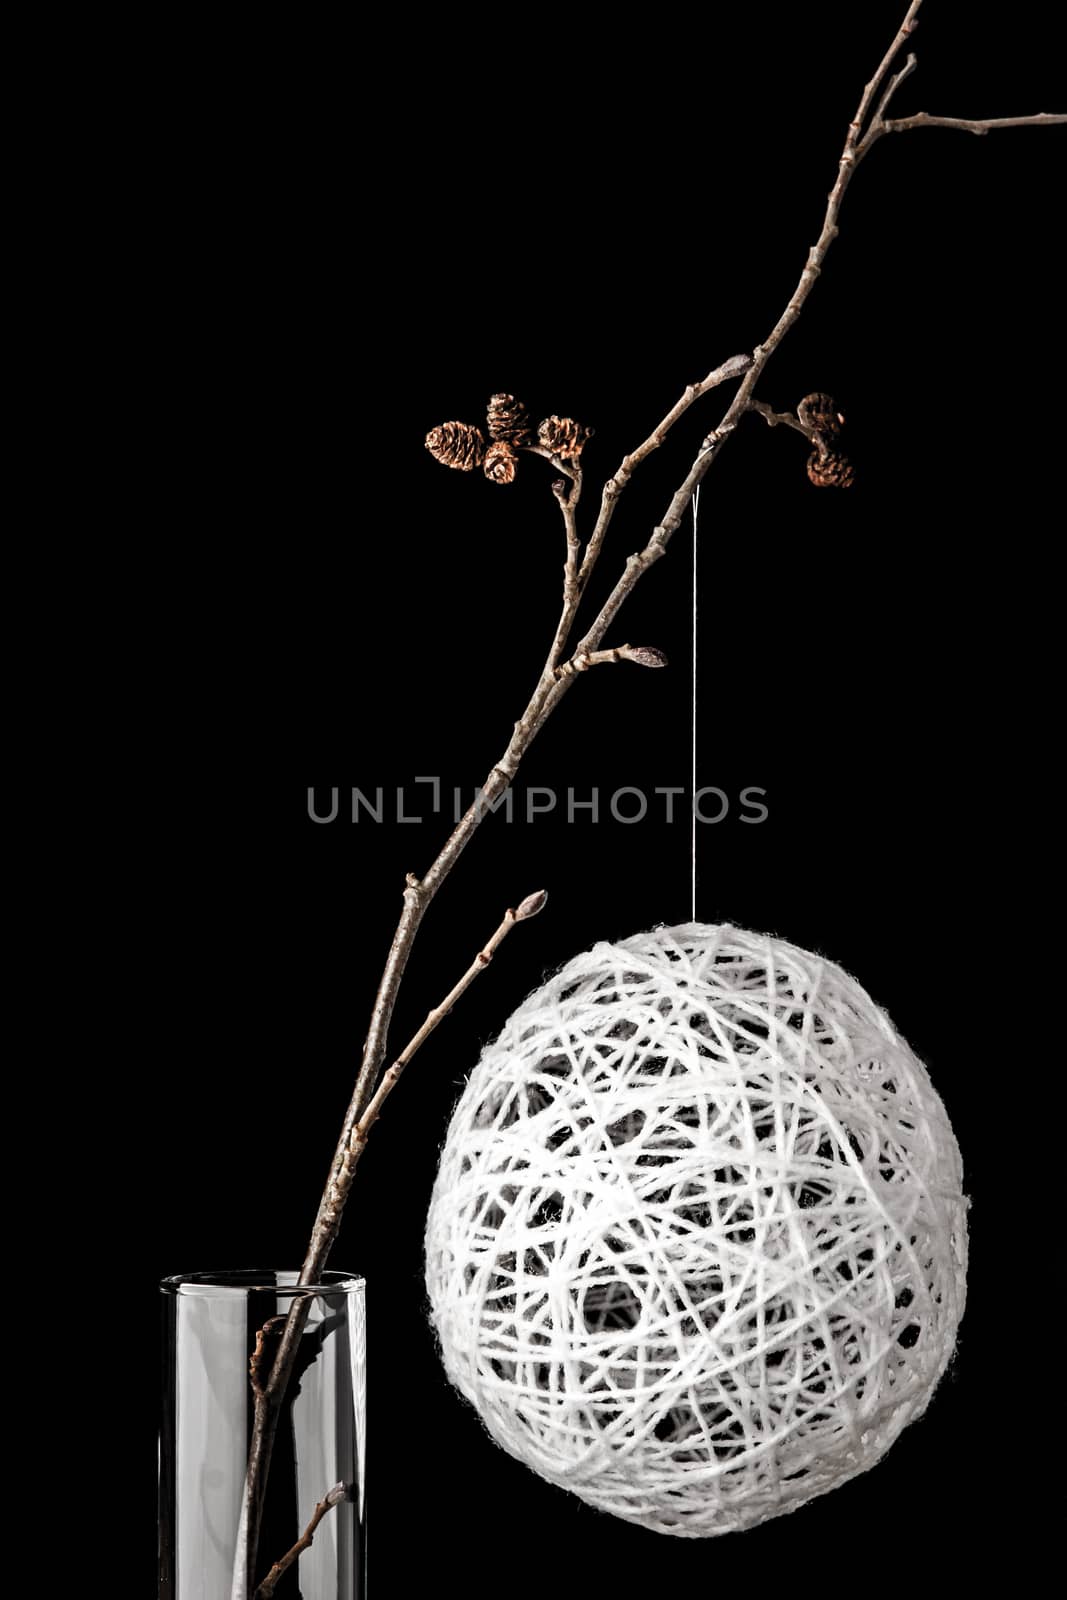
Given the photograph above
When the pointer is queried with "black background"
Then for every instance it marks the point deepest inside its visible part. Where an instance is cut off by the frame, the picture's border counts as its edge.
(372, 238)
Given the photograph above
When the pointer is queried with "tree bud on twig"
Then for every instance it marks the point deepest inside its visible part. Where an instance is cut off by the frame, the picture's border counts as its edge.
(646, 655)
(733, 368)
(532, 905)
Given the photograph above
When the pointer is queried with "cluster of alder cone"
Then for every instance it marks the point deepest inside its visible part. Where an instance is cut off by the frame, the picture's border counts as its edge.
(828, 466)
(462, 445)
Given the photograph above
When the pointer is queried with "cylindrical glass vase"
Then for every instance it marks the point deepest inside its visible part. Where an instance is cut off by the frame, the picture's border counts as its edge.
(216, 1325)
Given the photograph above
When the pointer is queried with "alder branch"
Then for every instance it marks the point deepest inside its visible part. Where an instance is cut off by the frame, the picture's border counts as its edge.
(661, 535)
(856, 146)
(568, 501)
(907, 27)
(270, 1393)
(922, 119)
(528, 908)
(881, 125)
(552, 685)
(569, 468)
(260, 1361)
(774, 419)
(894, 84)
(613, 488)
(333, 1498)
(557, 677)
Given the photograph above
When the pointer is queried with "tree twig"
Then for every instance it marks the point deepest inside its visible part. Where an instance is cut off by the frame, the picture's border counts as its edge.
(570, 469)
(907, 27)
(922, 119)
(552, 686)
(527, 908)
(333, 1498)
(613, 488)
(557, 677)
(269, 1394)
(261, 1362)
(568, 501)
(774, 418)
(894, 84)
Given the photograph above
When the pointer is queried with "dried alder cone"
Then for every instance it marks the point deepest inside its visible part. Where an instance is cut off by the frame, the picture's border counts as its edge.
(828, 466)
(507, 420)
(819, 411)
(646, 655)
(829, 469)
(501, 462)
(461, 445)
(563, 436)
(457, 444)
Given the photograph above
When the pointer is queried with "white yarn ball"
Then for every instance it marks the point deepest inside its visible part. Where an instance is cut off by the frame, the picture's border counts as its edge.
(697, 1245)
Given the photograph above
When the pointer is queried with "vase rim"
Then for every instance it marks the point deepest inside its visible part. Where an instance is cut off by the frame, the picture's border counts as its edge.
(263, 1280)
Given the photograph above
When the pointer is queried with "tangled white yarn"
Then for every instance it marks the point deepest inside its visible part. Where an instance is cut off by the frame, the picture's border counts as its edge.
(697, 1245)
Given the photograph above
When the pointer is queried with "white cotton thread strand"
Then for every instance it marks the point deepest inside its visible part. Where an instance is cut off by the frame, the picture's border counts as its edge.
(693, 774)
(697, 1245)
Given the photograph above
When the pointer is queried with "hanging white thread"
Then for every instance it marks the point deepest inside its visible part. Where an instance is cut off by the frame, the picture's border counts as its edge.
(697, 1245)
(693, 823)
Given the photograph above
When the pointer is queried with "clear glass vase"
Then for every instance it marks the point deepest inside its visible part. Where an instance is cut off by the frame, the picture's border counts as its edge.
(212, 1323)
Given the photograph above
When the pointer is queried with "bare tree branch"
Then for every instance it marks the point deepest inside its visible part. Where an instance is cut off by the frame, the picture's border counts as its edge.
(261, 1361)
(922, 119)
(280, 1568)
(894, 84)
(907, 27)
(774, 419)
(568, 500)
(615, 485)
(551, 686)
(569, 468)
(556, 679)
(528, 908)
(278, 1365)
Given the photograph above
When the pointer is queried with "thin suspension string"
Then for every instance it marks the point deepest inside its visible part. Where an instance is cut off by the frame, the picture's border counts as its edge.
(693, 773)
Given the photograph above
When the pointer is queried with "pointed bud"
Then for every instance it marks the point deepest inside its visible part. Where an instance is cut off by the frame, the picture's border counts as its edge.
(646, 655)
(532, 905)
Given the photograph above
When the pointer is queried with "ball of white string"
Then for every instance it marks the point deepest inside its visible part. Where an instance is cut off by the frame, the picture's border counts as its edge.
(697, 1244)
